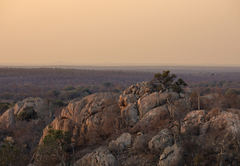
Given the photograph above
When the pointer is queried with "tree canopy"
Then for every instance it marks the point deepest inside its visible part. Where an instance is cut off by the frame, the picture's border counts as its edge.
(164, 81)
(54, 146)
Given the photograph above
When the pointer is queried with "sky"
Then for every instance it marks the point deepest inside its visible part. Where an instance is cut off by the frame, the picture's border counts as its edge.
(109, 32)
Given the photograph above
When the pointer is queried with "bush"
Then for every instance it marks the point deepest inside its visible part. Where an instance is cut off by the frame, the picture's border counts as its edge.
(107, 84)
(4, 106)
(7, 95)
(27, 115)
(232, 91)
(59, 103)
(54, 146)
(87, 90)
(177, 86)
(69, 87)
(53, 93)
(9, 155)
(115, 91)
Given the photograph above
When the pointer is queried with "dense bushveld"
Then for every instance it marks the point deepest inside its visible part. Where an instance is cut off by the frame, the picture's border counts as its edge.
(66, 84)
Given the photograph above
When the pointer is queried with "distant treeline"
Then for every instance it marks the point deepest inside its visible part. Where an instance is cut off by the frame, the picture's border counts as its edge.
(66, 84)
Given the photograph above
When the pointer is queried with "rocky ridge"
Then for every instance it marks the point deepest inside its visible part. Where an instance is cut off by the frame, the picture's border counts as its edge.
(177, 128)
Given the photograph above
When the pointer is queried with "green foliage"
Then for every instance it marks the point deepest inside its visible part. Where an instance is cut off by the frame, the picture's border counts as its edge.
(4, 106)
(232, 91)
(9, 154)
(69, 87)
(107, 84)
(54, 146)
(59, 103)
(69, 95)
(115, 91)
(177, 86)
(27, 114)
(164, 80)
(87, 90)
(54, 92)
(7, 95)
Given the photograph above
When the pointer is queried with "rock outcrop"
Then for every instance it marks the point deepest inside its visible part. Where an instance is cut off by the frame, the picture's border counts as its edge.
(36, 106)
(193, 121)
(128, 101)
(140, 142)
(151, 118)
(139, 99)
(153, 100)
(171, 156)
(160, 141)
(123, 141)
(130, 114)
(7, 119)
(96, 113)
(222, 128)
(100, 157)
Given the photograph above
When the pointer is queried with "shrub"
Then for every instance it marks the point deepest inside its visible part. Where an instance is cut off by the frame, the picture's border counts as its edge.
(54, 146)
(59, 103)
(4, 106)
(87, 90)
(69, 87)
(53, 93)
(9, 154)
(115, 91)
(27, 114)
(177, 86)
(107, 84)
(232, 91)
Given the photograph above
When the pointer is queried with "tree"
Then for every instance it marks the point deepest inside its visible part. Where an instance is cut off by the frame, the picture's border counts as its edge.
(164, 80)
(54, 146)
(177, 86)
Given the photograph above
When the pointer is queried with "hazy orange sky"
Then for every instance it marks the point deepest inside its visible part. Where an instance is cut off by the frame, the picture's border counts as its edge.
(186, 32)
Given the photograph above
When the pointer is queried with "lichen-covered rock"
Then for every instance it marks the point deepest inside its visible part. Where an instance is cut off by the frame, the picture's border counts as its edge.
(222, 128)
(160, 141)
(147, 103)
(123, 141)
(171, 156)
(130, 115)
(193, 121)
(152, 117)
(99, 157)
(7, 118)
(140, 142)
(153, 100)
(128, 101)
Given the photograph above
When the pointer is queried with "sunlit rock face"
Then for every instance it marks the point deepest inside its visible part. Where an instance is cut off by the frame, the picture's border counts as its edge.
(93, 114)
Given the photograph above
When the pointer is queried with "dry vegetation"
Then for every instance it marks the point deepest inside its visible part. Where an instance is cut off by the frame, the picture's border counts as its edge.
(27, 134)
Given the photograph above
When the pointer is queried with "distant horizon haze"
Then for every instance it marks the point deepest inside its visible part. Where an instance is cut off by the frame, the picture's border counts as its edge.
(106, 64)
(125, 33)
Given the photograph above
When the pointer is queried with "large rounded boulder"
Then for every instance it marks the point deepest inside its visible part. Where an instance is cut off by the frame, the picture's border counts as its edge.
(93, 116)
